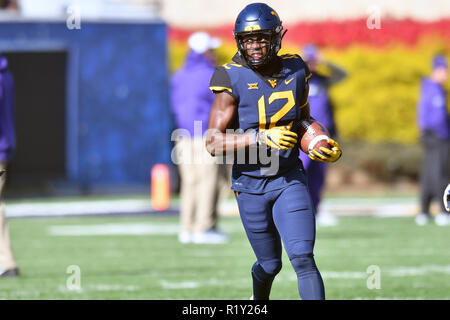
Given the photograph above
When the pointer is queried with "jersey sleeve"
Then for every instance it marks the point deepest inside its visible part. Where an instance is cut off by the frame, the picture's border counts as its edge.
(308, 74)
(220, 81)
(304, 65)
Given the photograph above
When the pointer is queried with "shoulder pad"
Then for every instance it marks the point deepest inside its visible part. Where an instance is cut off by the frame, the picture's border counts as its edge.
(290, 56)
(229, 65)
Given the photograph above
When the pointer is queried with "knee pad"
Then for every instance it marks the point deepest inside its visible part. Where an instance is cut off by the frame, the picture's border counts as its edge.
(268, 270)
(304, 264)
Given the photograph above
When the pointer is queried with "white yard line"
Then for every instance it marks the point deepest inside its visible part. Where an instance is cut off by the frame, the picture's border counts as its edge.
(400, 271)
(417, 271)
(114, 229)
(378, 207)
(99, 287)
(77, 208)
(179, 285)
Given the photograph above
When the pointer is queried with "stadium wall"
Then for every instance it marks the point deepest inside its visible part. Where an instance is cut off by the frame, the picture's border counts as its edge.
(201, 13)
(118, 122)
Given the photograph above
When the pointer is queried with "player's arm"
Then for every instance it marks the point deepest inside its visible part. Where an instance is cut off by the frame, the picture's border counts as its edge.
(304, 105)
(219, 142)
(223, 111)
(222, 116)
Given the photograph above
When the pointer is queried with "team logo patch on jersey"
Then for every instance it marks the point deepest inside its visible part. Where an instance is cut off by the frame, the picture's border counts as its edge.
(273, 83)
(253, 86)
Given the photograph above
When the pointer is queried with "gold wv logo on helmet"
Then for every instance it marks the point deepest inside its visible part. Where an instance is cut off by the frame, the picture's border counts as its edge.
(253, 28)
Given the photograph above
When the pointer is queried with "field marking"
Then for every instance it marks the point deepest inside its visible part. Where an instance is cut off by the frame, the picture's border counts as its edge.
(400, 271)
(10, 294)
(417, 271)
(378, 207)
(342, 275)
(166, 284)
(179, 285)
(77, 208)
(388, 298)
(99, 288)
(124, 229)
(114, 229)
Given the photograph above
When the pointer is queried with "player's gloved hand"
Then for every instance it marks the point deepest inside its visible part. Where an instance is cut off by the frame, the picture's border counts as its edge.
(447, 198)
(2, 172)
(277, 137)
(327, 155)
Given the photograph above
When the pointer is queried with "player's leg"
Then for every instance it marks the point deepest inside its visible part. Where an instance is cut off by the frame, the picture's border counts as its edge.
(316, 179)
(315, 173)
(8, 266)
(256, 215)
(294, 218)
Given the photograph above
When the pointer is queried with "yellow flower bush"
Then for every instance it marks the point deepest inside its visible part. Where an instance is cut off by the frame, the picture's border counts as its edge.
(377, 101)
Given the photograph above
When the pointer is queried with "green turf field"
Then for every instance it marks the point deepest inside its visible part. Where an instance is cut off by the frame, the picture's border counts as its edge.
(144, 260)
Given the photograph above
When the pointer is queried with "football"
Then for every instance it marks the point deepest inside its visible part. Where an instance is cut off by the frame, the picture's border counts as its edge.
(313, 135)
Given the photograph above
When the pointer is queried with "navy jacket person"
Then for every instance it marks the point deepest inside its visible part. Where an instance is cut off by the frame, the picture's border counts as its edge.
(265, 95)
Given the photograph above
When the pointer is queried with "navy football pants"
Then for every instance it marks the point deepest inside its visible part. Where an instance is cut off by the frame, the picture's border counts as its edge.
(285, 215)
(315, 171)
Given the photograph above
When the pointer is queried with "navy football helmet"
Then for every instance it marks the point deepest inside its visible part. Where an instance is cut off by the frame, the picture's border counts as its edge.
(256, 19)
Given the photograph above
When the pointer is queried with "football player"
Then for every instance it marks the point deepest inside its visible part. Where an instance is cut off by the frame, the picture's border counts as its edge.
(265, 95)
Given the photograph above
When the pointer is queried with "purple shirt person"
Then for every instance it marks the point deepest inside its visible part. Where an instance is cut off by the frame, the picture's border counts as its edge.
(191, 102)
(191, 98)
(7, 128)
(432, 112)
(433, 121)
(321, 110)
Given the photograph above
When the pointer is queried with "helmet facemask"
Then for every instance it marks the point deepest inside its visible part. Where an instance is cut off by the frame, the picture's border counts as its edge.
(273, 45)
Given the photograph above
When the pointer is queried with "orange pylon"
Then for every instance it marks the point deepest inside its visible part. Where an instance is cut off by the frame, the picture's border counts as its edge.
(160, 189)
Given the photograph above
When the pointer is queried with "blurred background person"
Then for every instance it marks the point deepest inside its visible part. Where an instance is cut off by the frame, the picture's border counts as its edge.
(322, 110)
(446, 198)
(9, 5)
(191, 102)
(434, 125)
(8, 266)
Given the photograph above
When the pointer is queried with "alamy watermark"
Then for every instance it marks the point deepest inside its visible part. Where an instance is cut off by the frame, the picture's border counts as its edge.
(374, 19)
(374, 279)
(267, 158)
(73, 282)
(73, 20)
